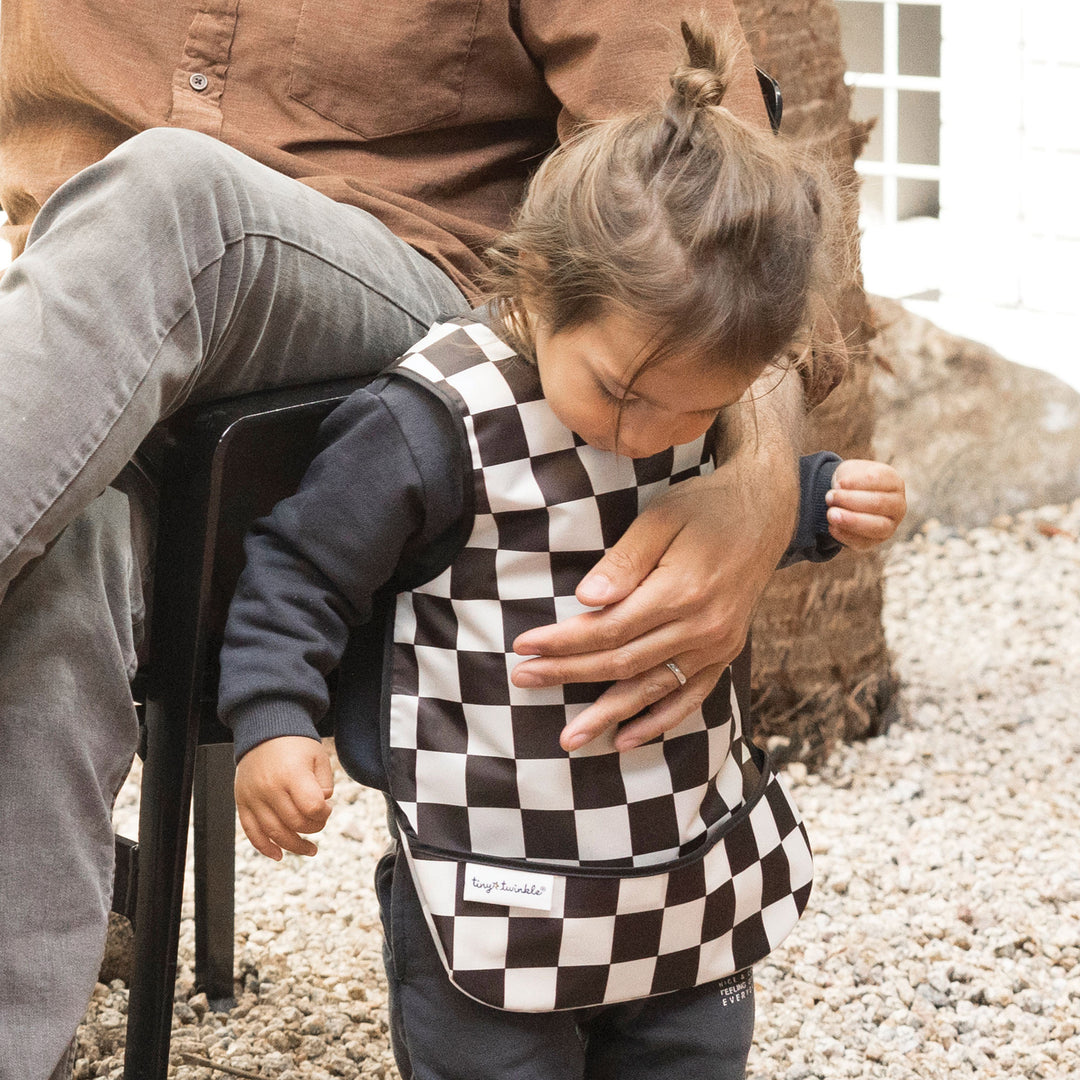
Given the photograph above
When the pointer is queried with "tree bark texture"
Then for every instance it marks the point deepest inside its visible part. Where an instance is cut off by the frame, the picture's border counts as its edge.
(822, 671)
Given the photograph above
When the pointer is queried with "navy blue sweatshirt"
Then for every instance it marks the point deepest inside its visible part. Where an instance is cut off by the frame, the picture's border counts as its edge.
(385, 494)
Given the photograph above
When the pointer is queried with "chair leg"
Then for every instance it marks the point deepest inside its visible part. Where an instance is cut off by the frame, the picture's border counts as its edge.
(165, 806)
(215, 859)
(125, 877)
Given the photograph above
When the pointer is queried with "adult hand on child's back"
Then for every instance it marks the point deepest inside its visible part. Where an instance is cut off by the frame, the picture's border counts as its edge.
(283, 787)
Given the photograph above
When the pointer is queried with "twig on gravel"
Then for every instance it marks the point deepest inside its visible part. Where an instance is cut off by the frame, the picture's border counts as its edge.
(206, 1063)
(1047, 528)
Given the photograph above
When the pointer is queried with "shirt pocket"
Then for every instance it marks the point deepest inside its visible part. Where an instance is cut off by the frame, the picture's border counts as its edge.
(381, 68)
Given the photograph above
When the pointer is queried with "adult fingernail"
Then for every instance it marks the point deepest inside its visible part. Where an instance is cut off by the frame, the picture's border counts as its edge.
(597, 586)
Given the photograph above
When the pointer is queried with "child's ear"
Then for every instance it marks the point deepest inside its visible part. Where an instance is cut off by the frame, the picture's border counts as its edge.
(820, 348)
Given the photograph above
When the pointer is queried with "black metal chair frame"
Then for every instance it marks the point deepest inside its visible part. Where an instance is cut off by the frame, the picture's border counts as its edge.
(225, 464)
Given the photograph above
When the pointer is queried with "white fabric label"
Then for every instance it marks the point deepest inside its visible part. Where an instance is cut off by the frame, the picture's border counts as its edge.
(510, 888)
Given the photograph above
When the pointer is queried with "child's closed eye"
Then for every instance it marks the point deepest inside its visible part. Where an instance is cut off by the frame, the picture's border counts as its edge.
(614, 392)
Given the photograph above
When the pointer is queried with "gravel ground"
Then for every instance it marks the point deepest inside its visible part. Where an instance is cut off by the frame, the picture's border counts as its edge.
(942, 936)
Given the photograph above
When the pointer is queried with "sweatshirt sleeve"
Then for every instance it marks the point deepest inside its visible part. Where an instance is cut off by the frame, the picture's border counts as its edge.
(812, 541)
(386, 484)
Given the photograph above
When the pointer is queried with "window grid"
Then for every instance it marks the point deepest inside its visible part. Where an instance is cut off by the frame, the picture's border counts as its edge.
(890, 82)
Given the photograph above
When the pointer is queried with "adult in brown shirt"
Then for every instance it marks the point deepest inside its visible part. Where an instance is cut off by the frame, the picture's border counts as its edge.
(149, 159)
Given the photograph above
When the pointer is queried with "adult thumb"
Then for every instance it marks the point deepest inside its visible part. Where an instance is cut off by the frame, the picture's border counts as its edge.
(629, 562)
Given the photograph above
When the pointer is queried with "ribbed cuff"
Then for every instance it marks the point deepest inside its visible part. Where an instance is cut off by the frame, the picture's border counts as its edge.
(812, 541)
(268, 718)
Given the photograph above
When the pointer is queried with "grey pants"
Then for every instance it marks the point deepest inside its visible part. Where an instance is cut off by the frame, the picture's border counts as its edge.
(175, 269)
(440, 1034)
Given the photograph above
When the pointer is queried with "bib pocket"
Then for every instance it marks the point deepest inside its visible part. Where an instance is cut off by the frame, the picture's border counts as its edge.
(594, 937)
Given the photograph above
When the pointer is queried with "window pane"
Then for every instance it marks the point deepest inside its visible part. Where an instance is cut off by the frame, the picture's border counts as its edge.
(920, 39)
(868, 103)
(861, 35)
(920, 127)
(916, 198)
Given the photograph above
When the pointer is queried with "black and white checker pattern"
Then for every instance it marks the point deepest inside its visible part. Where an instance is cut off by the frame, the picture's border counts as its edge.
(475, 765)
(609, 938)
(475, 761)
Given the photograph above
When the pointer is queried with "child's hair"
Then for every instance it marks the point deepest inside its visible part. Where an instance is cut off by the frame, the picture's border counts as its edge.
(704, 226)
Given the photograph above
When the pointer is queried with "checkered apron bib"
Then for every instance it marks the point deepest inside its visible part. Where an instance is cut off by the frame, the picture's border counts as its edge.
(552, 880)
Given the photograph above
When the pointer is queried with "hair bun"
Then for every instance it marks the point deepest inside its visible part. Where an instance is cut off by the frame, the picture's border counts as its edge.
(703, 79)
(698, 88)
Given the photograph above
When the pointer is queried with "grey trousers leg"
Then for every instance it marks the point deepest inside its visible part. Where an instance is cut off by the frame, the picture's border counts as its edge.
(175, 269)
(67, 735)
(66, 1066)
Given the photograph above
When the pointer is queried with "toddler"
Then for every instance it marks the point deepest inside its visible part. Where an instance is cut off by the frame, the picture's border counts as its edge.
(551, 911)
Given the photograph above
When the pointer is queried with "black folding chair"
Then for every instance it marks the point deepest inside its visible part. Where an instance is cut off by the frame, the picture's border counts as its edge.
(226, 464)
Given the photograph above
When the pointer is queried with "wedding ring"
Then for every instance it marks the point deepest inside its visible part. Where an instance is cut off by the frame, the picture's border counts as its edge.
(676, 671)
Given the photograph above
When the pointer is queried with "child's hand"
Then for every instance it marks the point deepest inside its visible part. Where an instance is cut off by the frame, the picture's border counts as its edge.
(866, 503)
(282, 790)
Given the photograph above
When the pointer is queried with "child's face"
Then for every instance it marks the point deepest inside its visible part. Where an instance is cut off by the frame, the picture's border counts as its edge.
(588, 376)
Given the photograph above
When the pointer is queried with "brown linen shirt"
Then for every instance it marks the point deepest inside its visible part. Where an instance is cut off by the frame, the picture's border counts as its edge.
(429, 114)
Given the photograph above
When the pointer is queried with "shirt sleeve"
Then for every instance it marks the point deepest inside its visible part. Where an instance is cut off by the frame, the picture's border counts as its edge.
(812, 541)
(386, 485)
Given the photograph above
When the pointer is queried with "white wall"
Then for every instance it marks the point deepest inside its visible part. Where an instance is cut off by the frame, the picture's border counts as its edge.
(1005, 253)
(1010, 149)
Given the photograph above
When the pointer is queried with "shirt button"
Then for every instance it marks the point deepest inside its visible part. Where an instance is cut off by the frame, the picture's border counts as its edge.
(198, 81)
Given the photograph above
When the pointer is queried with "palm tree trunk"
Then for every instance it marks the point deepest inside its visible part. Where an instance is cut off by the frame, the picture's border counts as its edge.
(821, 666)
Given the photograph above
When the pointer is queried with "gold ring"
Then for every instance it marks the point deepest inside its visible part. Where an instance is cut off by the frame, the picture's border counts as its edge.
(676, 671)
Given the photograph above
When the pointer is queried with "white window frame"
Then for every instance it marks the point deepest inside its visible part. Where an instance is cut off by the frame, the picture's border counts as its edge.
(890, 169)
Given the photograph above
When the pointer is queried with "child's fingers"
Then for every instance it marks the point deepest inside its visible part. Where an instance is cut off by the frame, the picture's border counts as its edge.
(271, 836)
(277, 825)
(305, 808)
(294, 842)
(889, 504)
(859, 531)
(858, 473)
(257, 835)
(299, 812)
